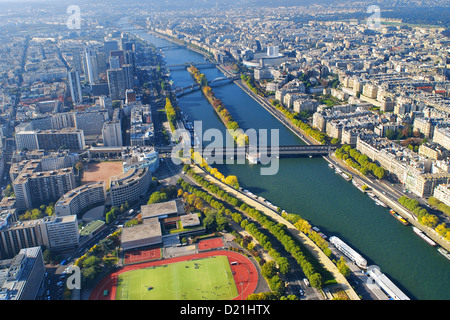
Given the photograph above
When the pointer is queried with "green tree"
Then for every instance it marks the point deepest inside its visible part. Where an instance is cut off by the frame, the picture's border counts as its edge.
(210, 221)
(157, 197)
(316, 280)
(110, 217)
(9, 191)
(269, 269)
(343, 267)
(221, 222)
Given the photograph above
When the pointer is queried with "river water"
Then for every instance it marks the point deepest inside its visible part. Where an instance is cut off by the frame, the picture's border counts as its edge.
(308, 187)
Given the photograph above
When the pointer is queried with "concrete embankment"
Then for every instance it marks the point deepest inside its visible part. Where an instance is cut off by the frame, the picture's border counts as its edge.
(394, 204)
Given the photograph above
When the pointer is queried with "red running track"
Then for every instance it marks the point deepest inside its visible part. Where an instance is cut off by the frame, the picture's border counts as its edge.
(244, 273)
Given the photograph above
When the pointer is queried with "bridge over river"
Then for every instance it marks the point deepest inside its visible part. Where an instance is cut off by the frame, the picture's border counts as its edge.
(281, 151)
(194, 87)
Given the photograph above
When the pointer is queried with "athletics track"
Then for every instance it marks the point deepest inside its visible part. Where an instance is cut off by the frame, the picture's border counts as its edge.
(244, 273)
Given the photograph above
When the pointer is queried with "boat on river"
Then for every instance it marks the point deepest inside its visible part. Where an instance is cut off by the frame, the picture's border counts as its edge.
(444, 252)
(423, 236)
(398, 217)
(253, 158)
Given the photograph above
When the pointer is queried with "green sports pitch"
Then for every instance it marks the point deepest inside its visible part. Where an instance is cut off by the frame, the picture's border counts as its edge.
(203, 279)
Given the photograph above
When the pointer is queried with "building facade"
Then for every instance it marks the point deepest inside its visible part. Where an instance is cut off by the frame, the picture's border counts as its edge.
(129, 186)
(81, 199)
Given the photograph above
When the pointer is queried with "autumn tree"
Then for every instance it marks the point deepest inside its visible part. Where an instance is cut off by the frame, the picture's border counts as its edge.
(232, 181)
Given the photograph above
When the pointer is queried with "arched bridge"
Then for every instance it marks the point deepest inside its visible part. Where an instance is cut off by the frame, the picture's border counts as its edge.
(174, 47)
(195, 87)
(188, 64)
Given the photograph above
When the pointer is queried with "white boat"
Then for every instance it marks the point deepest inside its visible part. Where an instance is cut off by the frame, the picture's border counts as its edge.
(385, 283)
(444, 252)
(423, 236)
(346, 176)
(349, 252)
(380, 203)
(331, 166)
(252, 158)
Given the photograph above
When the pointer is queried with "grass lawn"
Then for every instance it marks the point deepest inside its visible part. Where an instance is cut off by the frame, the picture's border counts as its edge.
(209, 278)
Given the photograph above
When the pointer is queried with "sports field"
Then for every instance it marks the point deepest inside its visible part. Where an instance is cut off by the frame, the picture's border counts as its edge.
(208, 278)
(101, 171)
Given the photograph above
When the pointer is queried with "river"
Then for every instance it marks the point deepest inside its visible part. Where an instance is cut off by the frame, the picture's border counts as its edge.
(308, 187)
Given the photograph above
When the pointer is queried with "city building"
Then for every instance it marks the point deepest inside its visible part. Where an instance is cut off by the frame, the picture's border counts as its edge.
(60, 233)
(433, 151)
(441, 136)
(119, 80)
(137, 157)
(112, 134)
(22, 277)
(81, 199)
(75, 87)
(90, 65)
(33, 187)
(442, 193)
(129, 186)
(66, 138)
(147, 234)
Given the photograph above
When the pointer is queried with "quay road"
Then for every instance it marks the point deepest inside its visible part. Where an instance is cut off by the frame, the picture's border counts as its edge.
(390, 196)
(307, 243)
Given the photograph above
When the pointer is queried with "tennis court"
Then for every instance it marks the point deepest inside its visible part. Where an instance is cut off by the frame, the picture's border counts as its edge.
(209, 244)
(208, 278)
(137, 256)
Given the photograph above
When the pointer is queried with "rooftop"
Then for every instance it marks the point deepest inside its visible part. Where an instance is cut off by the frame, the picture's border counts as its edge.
(159, 209)
(150, 229)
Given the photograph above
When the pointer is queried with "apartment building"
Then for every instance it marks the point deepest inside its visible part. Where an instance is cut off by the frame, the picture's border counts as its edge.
(80, 199)
(21, 277)
(442, 193)
(129, 186)
(33, 187)
(441, 136)
(60, 232)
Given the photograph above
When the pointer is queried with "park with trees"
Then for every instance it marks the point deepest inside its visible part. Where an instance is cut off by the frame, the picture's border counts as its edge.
(99, 259)
(315, 272)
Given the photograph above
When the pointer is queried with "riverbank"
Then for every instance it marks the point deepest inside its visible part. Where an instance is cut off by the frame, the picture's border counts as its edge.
(377, 190)
(300, 181)
(179, 42)
(300, 236)
(393, 204)
(277, 114)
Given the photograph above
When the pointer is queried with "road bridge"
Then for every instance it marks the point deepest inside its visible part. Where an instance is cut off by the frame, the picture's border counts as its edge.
(281, 151)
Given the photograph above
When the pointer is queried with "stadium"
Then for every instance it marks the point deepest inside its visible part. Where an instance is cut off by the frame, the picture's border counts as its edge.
(204, 271)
